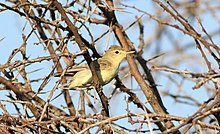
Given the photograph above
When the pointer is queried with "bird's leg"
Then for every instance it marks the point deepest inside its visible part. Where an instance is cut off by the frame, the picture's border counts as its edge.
(88, 91)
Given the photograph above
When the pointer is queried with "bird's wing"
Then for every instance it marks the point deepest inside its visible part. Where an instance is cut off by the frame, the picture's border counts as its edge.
(100, 64)
(73, 70)
(103, 64)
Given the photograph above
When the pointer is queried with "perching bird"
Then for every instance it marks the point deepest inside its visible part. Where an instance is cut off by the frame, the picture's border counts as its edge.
(106, 67)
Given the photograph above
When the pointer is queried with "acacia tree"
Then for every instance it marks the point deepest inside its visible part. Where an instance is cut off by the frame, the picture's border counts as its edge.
(175, 63)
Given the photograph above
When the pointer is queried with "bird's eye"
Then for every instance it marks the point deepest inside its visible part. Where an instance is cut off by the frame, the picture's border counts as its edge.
(116, 52)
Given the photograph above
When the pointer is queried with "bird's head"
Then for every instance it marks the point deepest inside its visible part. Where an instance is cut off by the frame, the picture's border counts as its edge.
(116, 54)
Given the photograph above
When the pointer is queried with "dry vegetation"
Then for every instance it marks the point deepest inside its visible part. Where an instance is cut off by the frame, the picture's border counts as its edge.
(175, 68)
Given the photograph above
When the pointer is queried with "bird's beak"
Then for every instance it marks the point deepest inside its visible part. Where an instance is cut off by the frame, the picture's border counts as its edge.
(130, 52)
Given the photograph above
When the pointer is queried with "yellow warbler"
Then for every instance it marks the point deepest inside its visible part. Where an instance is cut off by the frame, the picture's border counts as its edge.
(106, 67)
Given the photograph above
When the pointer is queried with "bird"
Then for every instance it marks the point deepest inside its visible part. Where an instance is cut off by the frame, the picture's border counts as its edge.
(107, 67)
